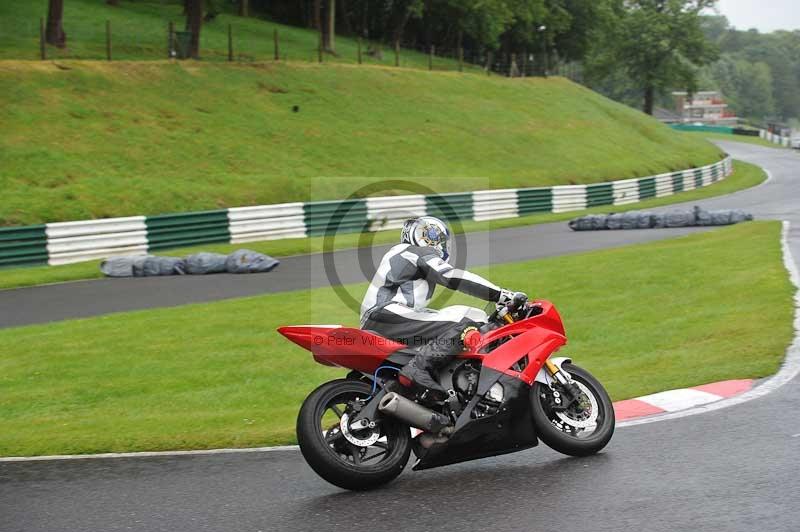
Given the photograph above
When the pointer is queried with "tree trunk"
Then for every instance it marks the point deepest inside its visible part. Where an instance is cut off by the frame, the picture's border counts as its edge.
(244, 8)
(364, 30)
(344, 16)
(428, 25)
(330, 36)
(316, 17)
(194, 22)
(649, 99)
(54, 34)
(401, 25)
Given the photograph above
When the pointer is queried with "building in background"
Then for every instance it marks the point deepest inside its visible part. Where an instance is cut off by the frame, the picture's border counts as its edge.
(706, 107)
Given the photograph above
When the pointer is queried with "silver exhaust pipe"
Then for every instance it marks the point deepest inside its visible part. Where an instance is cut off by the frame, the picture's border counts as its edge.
(412, 413)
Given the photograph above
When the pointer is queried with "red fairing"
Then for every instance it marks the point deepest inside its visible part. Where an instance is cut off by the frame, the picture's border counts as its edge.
(538, 343)
(342, 346)
(537, 337)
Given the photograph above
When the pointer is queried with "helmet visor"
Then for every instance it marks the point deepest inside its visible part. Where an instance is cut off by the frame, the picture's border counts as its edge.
(436, 237)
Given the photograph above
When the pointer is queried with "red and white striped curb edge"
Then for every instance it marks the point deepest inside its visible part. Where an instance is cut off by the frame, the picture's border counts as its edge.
(676, 400)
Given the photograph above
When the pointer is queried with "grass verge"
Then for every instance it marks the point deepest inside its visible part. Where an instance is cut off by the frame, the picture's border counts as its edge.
(206, 136)
(745, 175)
(642, 318)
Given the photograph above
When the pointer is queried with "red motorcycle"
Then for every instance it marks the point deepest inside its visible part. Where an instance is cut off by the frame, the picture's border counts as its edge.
(504, 394)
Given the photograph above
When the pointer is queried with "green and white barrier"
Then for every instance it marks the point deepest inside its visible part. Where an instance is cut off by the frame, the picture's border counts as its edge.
(66, 242)
(786, 142)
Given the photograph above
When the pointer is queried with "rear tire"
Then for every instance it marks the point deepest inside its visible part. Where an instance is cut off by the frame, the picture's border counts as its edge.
(327, 453)
(562, 437)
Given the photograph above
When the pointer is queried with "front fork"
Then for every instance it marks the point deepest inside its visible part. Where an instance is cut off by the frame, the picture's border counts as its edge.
(564, 386)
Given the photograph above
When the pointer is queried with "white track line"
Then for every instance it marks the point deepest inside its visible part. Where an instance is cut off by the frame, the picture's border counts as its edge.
(789, 370)
(145, 454)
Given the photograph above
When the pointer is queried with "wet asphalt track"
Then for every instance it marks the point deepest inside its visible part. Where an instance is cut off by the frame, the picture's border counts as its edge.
(735, 469)
(40, 304)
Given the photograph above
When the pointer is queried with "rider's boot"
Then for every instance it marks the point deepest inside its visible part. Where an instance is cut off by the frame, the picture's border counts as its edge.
(418, 373)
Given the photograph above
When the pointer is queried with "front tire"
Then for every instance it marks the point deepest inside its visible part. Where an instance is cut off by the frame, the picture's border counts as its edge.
(571, 432)
(378, 456)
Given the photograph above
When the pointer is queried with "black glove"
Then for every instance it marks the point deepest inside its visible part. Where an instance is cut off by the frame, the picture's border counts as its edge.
(507, 296)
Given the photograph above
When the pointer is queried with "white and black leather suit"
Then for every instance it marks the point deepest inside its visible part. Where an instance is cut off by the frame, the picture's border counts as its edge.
(395, 305)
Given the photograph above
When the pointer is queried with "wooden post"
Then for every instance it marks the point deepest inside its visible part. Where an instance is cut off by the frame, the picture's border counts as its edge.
(358, 44)
(397, 53)
(525, 63)
(546, 61)
(431, 51)
(108, 40)
(319, 47)
(461, 59)
(170, 38)
(230, 43)
(42, 44)
(489, 63)
(277, 50)
(511, 64)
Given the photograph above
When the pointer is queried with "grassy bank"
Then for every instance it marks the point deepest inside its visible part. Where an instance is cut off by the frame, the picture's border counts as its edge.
(91, 139)
(643, 318)
(745, 175)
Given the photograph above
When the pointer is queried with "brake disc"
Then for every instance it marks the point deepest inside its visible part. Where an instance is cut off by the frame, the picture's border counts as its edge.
(344, 426)
(585, 419)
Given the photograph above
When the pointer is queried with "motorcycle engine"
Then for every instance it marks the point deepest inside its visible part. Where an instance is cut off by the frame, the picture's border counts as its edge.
(465, 381)
(465, 384)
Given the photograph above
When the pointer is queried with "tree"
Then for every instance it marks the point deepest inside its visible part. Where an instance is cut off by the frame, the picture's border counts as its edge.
(54, 33)
(330, 34)
(747, 86)
(194, 22)
(316, 19)
(406, 10)
(659, 43)
(512, 26)
(244, 8)
(770, 61)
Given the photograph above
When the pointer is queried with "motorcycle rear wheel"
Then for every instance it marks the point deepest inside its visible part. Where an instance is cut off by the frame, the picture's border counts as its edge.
(557, 431)
(332, 455)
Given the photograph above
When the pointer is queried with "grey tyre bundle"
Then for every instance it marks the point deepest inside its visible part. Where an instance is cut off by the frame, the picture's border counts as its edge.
(246, 261)
(240, 261)
(654, 220)
(204, 263)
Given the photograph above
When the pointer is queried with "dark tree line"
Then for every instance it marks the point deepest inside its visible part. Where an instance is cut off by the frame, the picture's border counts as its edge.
(759, 73)
(643, 47)
(559, 27)
(649, 48)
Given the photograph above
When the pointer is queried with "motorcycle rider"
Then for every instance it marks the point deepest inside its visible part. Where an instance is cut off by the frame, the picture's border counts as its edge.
(396, 300)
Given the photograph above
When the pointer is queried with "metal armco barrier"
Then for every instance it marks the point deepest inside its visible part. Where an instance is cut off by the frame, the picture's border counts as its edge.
(786, 142)
(66, 242)
(23, 245)
(187, 229)
(266, 222)
(92, 239)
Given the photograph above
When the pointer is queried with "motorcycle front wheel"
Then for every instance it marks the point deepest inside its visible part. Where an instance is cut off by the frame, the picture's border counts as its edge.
(353, 460)
(582, 429)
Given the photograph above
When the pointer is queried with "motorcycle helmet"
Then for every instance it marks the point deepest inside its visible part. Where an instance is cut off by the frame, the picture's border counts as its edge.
(427, 231)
